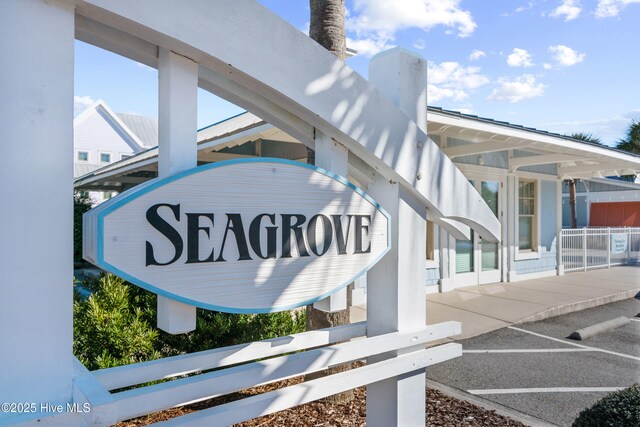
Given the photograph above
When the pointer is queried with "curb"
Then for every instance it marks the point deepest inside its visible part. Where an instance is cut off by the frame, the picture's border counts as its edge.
(580, 305)
(515, 415)
(590, 331)
(499, 409)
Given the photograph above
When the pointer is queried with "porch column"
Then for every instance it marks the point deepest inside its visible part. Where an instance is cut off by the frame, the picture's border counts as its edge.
(396, 294)
(36, 219)
(177, 151)
(512, 218)
(559, 249)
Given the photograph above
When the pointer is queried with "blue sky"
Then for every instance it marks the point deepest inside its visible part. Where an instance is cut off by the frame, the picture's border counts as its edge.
(559, 65)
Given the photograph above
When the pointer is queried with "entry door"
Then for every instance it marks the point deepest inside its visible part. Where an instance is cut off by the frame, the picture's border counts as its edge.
(478, 261)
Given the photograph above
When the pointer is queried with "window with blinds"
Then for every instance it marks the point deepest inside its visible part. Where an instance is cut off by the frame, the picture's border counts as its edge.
(526, 214)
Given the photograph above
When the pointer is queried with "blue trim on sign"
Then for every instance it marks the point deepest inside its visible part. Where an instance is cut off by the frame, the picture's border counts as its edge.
(117, 202)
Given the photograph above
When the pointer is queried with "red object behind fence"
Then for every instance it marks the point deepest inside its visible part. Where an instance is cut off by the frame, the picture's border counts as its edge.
(615, 214)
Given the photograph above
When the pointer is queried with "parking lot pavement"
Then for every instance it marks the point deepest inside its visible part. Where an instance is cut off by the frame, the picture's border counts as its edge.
(533, 368)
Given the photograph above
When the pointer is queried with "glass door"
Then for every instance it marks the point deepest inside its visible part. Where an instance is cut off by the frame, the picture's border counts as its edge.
(478, 261)
(490, 252)
(466, 259)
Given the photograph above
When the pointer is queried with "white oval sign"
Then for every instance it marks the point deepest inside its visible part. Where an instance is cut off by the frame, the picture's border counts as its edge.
(241, 236)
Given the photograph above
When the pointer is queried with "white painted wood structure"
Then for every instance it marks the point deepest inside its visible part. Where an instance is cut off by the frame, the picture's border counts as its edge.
(307, 95)
(485, 151)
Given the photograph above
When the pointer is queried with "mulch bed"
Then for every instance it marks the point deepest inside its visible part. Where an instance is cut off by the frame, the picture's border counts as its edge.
(442, 410)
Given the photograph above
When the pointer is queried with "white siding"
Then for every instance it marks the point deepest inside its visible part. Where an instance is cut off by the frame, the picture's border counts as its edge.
(98, 133)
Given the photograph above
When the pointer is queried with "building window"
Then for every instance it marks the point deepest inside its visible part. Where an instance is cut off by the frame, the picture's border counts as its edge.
(83, 156)
(105, 157)
(527, 222)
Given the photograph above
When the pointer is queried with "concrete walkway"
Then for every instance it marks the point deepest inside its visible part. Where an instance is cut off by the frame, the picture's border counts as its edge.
(485, 308)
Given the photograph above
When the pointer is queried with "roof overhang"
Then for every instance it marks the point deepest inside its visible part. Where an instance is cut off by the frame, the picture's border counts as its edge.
(573, 158)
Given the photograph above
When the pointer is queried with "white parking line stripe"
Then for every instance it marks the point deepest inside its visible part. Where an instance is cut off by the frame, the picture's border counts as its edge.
(574, 344)
(528, 350)
(634, 319)
(546, 390)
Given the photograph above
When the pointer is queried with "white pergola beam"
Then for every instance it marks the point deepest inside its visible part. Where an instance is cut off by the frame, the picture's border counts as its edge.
(518, 162)
(570, 171)
(479, 148)
(565, 171)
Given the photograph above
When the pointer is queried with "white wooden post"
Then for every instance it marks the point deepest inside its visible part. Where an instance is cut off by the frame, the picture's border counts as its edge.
(396, 294)
(560, 266)
(333, 157)
(177, 151)
(628, 245)
(512, 226)
(36, 176)
(608, 247)
(584, 249)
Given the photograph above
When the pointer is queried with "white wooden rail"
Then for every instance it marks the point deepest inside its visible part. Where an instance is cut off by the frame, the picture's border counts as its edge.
(171, 367)
(299, 394)
(128, 404)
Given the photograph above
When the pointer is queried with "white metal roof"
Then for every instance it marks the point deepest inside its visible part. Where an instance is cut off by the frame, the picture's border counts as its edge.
(574, 158)
(145, 128)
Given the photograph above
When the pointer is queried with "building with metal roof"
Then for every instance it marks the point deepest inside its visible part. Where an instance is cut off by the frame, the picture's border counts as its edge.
(518, 171)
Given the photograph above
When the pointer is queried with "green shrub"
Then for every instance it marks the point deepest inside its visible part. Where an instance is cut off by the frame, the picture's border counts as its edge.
(215, 329)
(109, 330)
(81, 204)
(113, 326)
(618, 409)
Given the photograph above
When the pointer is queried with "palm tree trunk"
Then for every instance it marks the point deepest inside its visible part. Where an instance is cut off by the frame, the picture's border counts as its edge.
(572, 202)
(327, 28)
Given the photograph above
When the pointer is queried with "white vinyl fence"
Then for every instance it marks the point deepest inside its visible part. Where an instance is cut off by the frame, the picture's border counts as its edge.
(586, 248)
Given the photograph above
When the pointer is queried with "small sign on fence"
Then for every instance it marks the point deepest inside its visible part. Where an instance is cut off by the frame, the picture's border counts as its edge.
(619, 243)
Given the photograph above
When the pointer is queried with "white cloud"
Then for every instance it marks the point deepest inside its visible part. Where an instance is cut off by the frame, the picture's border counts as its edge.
(520, 9)
(369, 47)
(568, 9)
(144, 66)
(420, 44)
(81, 103)
(476, 54)
(375, 22)
(610, 8)
(464, 110)
(451, 80)
(609, 129)
(565, 56)
(519, 58)
(518, 89)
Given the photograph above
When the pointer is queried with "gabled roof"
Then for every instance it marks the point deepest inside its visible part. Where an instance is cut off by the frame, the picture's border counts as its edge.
(115, 120)
(222, 135)
(145, 128)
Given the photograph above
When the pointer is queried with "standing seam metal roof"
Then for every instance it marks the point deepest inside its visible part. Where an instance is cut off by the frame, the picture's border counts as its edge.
(145, 128)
